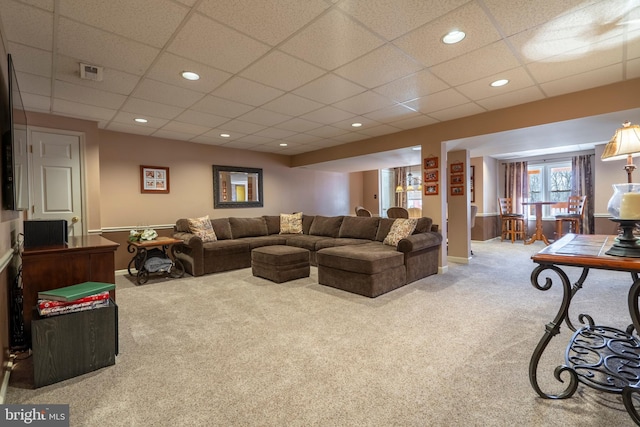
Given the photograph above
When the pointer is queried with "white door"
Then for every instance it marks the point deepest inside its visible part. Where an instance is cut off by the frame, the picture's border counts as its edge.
(57, 185)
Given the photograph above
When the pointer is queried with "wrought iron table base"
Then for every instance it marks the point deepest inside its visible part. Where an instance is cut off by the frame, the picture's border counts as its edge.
(137, 263)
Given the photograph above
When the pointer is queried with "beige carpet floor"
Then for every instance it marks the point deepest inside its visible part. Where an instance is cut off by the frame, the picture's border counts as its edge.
(231, 349)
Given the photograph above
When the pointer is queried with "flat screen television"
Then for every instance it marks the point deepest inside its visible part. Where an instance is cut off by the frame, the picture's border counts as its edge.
(15, 172)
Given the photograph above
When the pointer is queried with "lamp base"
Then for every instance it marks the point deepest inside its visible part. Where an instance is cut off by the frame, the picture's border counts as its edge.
(626, 244)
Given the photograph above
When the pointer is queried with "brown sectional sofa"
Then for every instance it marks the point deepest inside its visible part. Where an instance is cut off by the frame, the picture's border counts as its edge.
(358, 236)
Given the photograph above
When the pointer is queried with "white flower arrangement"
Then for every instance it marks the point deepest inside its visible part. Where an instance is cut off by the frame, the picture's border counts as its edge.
(146, 234)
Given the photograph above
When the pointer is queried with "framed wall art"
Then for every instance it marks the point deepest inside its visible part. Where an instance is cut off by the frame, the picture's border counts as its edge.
(431, 176)
(154, 179)
(457, 179)
(472, 187)
(457, 190)
(430, 189)
(457, 167)
(431, 163)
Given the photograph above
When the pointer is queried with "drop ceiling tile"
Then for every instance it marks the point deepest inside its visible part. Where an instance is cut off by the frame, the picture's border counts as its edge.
(414, 122)
(127, 128)
(574, 62)
(393, 18)
(264, 117)
(84, 95)
(143, 108)
(82, 111)
(33, 102)
(181, 127)
(169, 67)
(37, 85)
(80, 41)
(27, 25)
(240, 145)
(31, 60)
(299, 125)
(396, 112)
(437, 101)
(365, 102)
(68, 70)
(327, 115)
(514, 16)
(155, 91)
(214, 134)
(479, 89)
(458, 111)
(255, 140)
(241, 127)
(221, 107)
(509, 99)
(350, 137)
(633, 42)
(326, 132)
(47, 5)
(346, 124)
(301, 138)
(576, 82)
(282, 71)
(201, 119)
(166, 134)
(379, 67)
(379, 130)
(425, 44)
(413, 86)
(331, 41)
(247, 92)
(633, 68)
(329, 89)
(292, 105)
(275, 133)
(208, 42)
(487, 61)
(208, 140)
(270, 21)
(126, 118)
(123, 17)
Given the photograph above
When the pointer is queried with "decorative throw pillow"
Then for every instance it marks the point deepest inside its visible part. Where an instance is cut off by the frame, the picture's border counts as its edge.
(291, 223)
(400, 229)
(202, 228)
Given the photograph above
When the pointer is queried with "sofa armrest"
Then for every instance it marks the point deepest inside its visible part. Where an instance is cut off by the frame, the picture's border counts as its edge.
(420, 241)
(191, 240)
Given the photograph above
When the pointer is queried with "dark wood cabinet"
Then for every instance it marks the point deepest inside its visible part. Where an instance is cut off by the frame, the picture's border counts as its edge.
(83, 259)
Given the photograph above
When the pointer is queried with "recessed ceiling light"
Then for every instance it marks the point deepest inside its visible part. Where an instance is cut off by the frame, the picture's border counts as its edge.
(500, 82)
(283, 144)
(454, 36)
(140, 120)
(190, 75)
(225, 135)
(356, 125)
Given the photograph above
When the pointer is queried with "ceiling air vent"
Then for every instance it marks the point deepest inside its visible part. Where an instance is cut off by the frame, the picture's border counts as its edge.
(91, 72)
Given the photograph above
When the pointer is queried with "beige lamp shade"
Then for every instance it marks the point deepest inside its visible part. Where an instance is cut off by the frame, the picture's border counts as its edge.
(625, 142)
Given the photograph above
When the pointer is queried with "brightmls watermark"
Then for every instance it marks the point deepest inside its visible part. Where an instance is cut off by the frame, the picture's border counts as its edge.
(34, 415)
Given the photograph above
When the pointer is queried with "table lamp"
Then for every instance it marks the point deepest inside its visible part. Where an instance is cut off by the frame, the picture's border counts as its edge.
(624, 205)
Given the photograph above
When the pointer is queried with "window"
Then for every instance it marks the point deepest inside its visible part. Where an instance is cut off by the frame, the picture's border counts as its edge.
(549, 182)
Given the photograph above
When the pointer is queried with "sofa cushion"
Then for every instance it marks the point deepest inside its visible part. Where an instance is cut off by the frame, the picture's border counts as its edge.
(383, 228)
(222, 228)
(248, 227)
(423, 225)
(291, 223)
(307, 222)
(371, 258)
(202, 228)
(357, 227)
(182, 225)
(400, 229)
(273, 223)
(326, 226)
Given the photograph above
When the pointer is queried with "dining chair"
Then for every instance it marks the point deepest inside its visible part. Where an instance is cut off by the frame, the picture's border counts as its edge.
(513, 224)
(397, 212)
(357, 208)
(574, 215)
(415, 212)
(363, 212)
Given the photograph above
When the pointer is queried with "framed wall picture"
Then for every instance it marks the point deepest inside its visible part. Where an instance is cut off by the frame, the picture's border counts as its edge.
(457, 190)
(430, 189)
(457, 179)
(431, 176)
(472, 188)
(154, 179)
(457, 167)
(431, 163)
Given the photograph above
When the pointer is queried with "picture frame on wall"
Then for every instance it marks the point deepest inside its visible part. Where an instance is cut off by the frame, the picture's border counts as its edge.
(457, 167)
(472, 188)
(457, 190)
(431, 163)
(431, 176)
(457, 179)
(154, 179)
(430, 189)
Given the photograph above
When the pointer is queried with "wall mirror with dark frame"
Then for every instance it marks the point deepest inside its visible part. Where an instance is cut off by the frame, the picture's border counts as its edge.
(237, 187)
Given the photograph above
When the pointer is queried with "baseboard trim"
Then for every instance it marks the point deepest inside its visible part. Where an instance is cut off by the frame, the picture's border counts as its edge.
(444, 269)
(458, 260)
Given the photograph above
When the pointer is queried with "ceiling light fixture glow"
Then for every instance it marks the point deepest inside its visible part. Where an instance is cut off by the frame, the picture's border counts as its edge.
(283, 144)
(356, 125)
(453, 37)
(225, 135)
(140, 120)
(190, 75)
(499, 83)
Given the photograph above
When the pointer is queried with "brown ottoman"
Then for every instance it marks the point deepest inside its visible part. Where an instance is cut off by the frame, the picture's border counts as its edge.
(280, 263)
(369, 269)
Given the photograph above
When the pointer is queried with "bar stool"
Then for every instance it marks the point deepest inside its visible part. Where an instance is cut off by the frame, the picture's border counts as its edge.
(574, 215)
(513, 225)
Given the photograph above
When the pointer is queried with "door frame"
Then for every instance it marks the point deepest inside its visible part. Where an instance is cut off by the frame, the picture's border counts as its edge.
(81, 161)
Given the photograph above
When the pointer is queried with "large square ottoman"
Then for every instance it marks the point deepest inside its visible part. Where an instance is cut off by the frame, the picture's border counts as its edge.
(370, 269)
(280, 263)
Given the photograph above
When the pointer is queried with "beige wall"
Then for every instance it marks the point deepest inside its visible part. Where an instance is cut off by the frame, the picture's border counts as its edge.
(370, 190)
